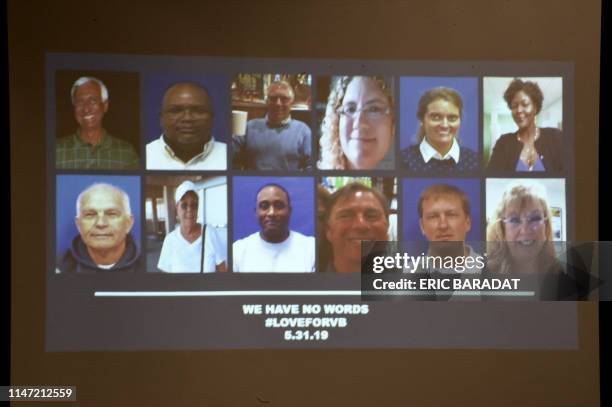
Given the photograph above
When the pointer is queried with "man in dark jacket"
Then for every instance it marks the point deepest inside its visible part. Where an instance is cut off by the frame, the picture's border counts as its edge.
(104, 220)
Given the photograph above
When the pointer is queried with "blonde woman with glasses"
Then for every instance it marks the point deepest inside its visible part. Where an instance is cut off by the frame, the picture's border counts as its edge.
(520, 243)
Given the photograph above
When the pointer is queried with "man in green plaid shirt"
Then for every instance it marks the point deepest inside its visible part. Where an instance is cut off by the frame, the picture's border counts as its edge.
(91, 147)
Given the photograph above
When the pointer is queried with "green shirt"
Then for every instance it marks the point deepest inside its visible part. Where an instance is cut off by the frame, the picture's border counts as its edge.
(71, 152)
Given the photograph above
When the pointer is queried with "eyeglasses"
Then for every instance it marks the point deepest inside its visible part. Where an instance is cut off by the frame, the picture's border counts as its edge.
(275, 99)
(200, 112)
(372, 113)
(533, 221)
(184, 206)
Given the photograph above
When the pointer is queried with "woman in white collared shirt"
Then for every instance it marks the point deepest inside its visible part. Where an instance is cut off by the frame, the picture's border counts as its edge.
(438, 150)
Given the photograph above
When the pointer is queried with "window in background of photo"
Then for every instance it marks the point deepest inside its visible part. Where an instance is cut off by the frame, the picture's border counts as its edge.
(216, 202)
(555, 194)
(497, 117)
(162, 219)
(161, 189)
(249, 93)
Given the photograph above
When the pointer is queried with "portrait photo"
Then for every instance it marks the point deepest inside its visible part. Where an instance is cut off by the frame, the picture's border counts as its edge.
(97, 120)
(185, 121)
(186, 223)
(98, 225)
(523, 124)
(351, 210)
(439, 119)
(441, 209)
(273, 226)
(513, 201)
(271, 122)
(356, 122)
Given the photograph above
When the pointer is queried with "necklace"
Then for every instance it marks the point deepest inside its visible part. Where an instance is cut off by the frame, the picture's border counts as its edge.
(529, 154)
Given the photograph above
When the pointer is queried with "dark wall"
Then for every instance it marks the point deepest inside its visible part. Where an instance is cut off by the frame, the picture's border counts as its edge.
(442, 30)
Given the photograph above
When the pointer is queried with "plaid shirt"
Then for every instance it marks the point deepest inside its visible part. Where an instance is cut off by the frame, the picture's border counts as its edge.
(71, 152)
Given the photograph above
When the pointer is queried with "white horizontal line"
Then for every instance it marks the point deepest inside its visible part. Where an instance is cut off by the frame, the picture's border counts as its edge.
(221, 293)
(302, 293)
(451, 292)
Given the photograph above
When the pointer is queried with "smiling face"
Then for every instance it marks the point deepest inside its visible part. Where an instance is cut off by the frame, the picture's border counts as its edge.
(89, 109)
(280, 99)
(187, 209)
(102, 221)
(187, 115)
(523, 110)
(366, 135)
(441, 124)
(525, 230)
(444, 219)
(357, 217)
(273, 213)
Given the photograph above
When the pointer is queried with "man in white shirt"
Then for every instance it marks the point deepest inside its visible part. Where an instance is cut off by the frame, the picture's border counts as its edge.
(274, 248)
(187, 143)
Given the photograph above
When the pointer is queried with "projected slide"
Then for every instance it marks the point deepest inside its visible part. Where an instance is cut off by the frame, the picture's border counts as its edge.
(222, 203)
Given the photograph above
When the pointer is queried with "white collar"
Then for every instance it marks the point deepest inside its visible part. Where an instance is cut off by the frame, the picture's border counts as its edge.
(106, 266)
(428, 152)
(283, 123)
(208, 147)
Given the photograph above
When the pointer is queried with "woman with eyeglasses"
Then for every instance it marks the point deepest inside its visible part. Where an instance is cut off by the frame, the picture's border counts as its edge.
(520, 233)
(520, 243)
(438, 150)
(182, 248)
(530, 148)
(357, 131)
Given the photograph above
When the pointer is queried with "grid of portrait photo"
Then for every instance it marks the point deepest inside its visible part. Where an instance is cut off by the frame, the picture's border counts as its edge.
(169, 169)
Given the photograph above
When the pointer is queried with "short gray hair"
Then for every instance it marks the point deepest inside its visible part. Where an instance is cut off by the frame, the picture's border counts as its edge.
(125, 199)
(86, 79)
(282, 84)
